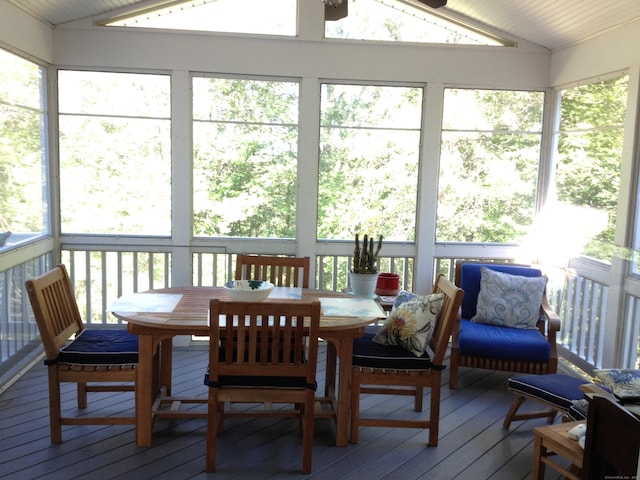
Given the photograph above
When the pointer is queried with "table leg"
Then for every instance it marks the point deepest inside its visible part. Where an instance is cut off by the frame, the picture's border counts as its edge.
(144, 390)
(330, 371)
(537, 472)
(345, 351)
(166, 364)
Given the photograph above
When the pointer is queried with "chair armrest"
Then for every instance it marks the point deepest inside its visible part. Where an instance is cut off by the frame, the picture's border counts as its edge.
(551, 318)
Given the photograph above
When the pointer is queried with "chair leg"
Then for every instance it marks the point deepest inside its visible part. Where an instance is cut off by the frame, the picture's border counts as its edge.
(513, 415)
(434, 414)
(453, 368)
(55, 408)
(212, 431)
(307, 432)
(512, 411)
(220, 417)
(82, 394)
(355, 405)
(417, 403)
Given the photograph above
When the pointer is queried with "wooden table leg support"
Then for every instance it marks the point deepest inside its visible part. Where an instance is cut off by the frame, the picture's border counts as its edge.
(553, 440)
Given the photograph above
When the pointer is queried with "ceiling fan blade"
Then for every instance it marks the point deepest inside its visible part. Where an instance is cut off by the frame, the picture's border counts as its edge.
(337, 12)
(434, 3)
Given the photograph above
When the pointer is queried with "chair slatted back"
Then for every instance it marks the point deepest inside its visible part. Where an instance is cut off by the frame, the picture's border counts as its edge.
(264, 339)
(281, 271)
(449, 314)
(55, 309)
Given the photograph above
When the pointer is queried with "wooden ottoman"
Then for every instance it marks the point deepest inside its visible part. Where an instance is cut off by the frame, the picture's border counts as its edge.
(555, 390)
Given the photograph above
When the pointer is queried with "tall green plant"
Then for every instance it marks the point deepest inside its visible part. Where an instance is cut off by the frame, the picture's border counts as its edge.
(365, 259)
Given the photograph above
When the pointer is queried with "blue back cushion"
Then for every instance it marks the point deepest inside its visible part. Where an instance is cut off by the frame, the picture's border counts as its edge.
(470, 282)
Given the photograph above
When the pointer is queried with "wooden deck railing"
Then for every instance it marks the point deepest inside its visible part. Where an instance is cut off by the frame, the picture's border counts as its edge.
(100, 276)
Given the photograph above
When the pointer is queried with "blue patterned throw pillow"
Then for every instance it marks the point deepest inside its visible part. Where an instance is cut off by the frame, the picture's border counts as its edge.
(624, 383)
(410, 324)
(509, 300)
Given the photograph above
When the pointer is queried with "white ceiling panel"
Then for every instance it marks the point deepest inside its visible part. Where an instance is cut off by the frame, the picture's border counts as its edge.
(552, 24)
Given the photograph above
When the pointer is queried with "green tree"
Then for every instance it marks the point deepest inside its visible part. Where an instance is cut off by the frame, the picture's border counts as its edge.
(245, 157)
(589, 154)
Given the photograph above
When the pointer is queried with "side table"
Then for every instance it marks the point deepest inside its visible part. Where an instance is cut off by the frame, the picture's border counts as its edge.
(553, 440)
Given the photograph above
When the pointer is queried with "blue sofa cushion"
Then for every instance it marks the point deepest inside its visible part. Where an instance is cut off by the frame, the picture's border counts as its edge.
(470, 281)
(367, 353)
(479, 339)
(94, 347)
(555, 388)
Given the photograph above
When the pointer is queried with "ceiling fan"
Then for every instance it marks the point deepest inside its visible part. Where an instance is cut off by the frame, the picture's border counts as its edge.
(337, 9)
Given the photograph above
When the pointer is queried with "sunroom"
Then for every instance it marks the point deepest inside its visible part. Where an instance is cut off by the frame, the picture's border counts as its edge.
(143, 152)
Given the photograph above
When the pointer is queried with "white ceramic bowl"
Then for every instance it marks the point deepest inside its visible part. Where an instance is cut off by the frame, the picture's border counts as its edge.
(248, 290)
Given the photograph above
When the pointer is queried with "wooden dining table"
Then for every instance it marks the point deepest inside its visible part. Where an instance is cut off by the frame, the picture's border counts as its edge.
(157, 316)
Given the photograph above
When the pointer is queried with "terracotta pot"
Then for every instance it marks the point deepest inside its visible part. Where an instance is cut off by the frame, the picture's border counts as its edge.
(388, 284)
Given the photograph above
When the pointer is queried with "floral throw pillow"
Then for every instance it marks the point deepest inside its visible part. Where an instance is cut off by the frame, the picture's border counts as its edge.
(623, 383)
(410, 324)
(509, 300)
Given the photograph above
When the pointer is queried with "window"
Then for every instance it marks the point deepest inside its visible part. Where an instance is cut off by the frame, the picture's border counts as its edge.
(488, 165)
(115, 153)
(272, 17)
(24, 185)
(587, 166)
(400, 21)
(245, 150)
(369, 159)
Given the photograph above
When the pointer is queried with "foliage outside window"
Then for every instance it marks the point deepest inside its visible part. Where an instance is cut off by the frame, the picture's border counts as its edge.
(488, 165)
(369, 158)
(587, 165)
(115, 153)
(24, 198)
(245, 150)
(399, 21)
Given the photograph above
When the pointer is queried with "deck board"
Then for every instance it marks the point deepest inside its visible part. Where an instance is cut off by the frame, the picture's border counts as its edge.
(472, 446)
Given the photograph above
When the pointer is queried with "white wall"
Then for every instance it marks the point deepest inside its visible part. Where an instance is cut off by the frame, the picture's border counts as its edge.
(309, 55)
(491, 66)
(610, 52)
(20, 32)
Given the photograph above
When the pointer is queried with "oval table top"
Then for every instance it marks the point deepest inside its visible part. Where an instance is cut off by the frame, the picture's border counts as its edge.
(185, 310)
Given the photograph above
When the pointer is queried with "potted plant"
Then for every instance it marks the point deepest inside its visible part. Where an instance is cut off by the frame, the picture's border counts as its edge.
(364, 272)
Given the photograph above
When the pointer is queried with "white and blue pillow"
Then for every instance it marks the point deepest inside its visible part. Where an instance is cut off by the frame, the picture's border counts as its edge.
(509, 300)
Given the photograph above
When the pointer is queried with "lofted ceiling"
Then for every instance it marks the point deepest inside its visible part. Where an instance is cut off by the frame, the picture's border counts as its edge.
(553, 24)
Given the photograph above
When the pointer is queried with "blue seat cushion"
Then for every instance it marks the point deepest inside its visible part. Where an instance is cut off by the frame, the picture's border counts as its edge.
(259, 382)
(367, 353)
(555, 388)
(481, 340)
(579, 410)
(101, 347)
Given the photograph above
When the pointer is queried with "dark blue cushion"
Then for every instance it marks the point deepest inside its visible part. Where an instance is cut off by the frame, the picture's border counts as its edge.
(470, 281)
(367, 353)
(259, 381)
(101, 347)
(555, 388)
(579, 410)
(481, 340)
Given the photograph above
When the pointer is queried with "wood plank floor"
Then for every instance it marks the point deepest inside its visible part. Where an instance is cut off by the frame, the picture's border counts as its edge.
(472, 446)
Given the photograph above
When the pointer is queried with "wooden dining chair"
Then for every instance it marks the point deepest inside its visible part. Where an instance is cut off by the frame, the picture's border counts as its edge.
(108, 357)
(281, 271)
(394, 370)
(262, 352)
